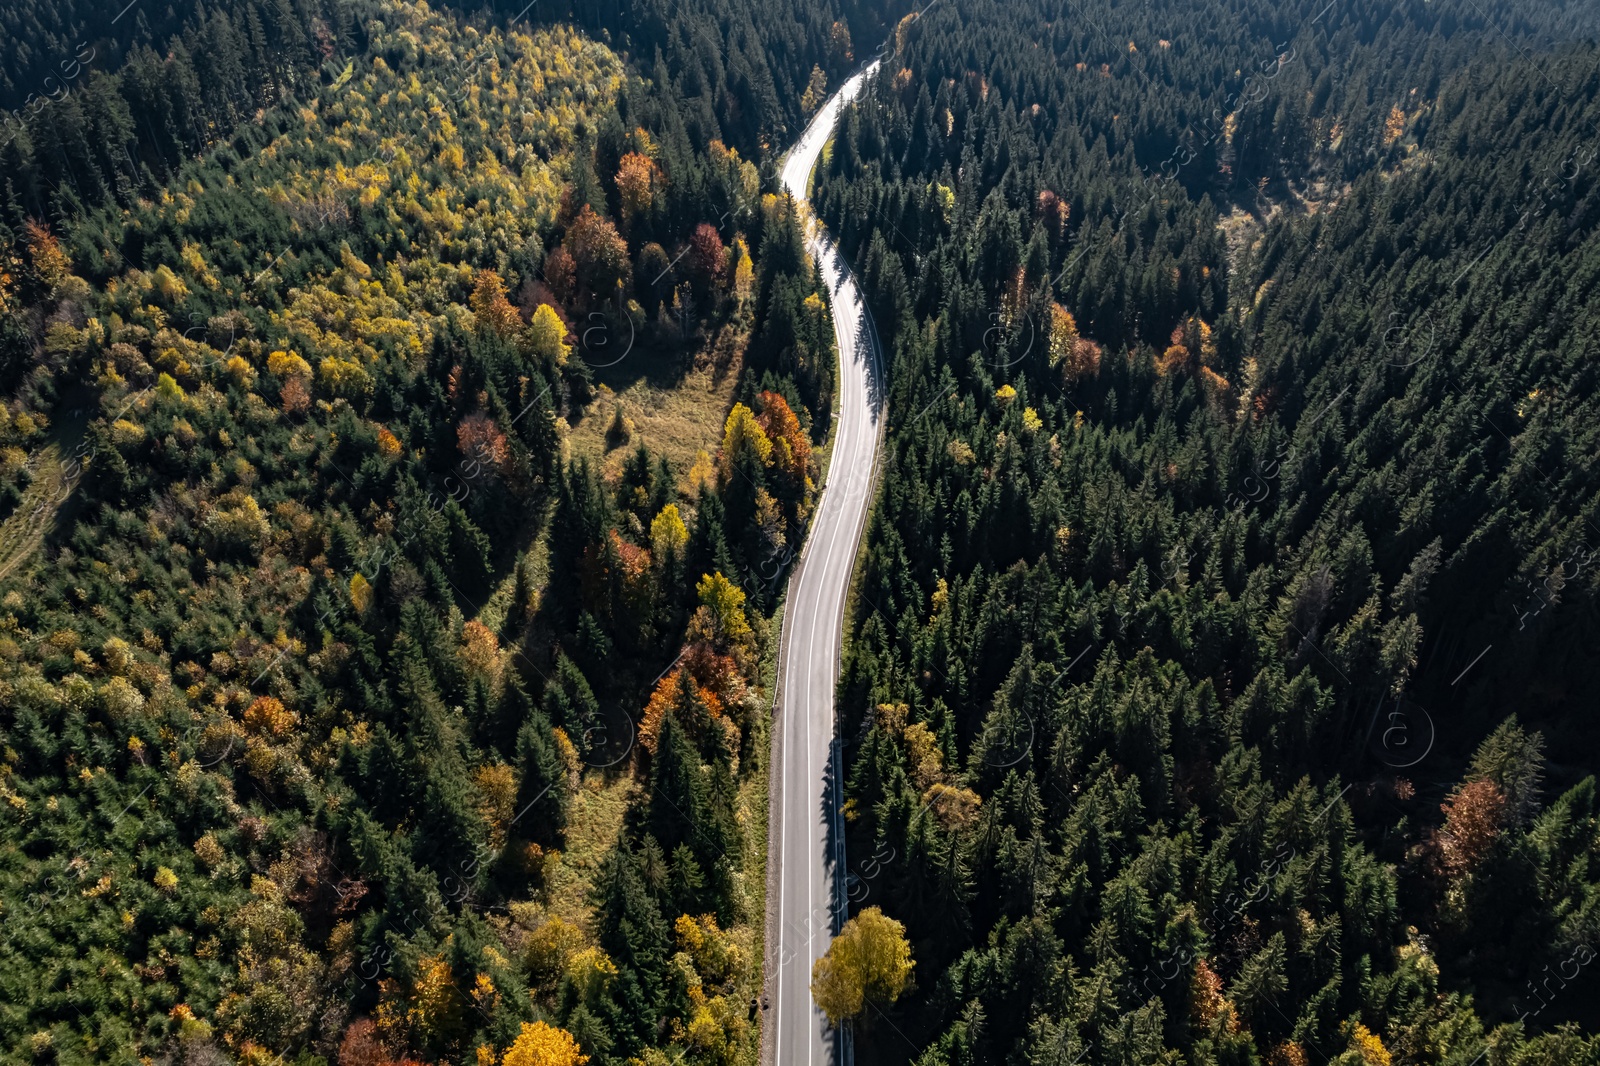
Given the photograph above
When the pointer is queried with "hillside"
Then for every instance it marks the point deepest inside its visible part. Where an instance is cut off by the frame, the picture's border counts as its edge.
(1217, 691)
(377, 687)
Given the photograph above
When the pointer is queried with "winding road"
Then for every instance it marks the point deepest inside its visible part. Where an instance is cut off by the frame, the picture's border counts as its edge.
(807, 853)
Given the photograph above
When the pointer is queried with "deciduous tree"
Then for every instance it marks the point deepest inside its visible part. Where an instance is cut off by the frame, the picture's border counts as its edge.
(869, 962)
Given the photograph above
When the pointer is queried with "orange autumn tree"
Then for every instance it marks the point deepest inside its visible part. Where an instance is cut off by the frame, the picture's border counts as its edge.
(599, 253)
(482, 442)
(267, 715)
(388, 444)
(1473, 816)
(50, 263)
(636, 181)
(635, 591)
(480, 655)
(493, 309)
(791, 447)
(1190, 347)
(696, 708)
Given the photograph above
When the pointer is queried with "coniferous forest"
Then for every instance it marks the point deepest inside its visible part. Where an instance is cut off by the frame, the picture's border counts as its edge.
(1222, 668)
(410, 416)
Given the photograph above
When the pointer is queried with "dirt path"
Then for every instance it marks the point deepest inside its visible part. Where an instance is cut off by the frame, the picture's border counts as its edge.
(57, 468)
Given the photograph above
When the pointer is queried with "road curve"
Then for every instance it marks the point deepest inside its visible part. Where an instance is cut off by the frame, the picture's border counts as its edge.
(807, 851)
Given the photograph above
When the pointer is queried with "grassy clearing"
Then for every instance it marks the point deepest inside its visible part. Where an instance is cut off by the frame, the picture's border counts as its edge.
(593, 827)
(677, 411)
(55, 474)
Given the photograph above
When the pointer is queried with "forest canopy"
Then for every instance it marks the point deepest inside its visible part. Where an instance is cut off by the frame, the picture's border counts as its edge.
(1218, 684)
(361, 701)
(410, 415)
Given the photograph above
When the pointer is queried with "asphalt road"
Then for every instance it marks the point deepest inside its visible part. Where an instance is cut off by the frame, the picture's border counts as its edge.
(807, 852)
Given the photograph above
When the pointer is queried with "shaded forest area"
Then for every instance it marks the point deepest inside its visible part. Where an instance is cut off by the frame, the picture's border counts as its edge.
(1220, 681)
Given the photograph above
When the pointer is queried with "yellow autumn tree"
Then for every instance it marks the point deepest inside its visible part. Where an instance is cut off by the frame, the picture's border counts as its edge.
(668, 534)
(702, 470)
(435, 1007)
(716, 956)
(549, 947)
(288, 365)
(540, 1044)
(547, 335)
(744, 272)
(1369, 1046)
(816, 90)
(497, 798)
(480, 653)
(360, 593)
(1063, 334)
(1393, 126)
(742, 432)
(725, 600)
(344, 377)
(868, 962)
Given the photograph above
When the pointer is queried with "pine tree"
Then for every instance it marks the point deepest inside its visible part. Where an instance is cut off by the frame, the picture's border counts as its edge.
(542, 798)
(571, 703)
